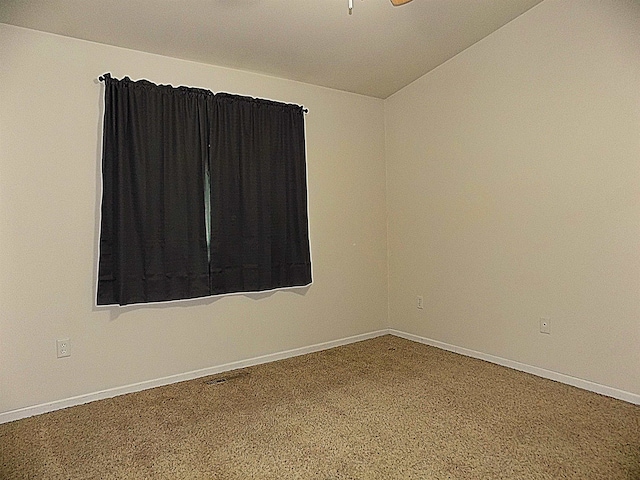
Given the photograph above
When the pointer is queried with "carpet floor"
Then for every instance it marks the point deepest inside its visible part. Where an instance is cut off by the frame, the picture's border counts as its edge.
(385, 408)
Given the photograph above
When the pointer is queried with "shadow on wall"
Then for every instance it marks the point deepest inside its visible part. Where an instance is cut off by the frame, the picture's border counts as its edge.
(116, 310)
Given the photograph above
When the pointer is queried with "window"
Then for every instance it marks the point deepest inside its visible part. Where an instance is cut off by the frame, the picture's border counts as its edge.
(203, 194)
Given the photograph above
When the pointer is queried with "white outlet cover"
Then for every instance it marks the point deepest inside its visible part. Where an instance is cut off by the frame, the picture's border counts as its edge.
(63, 348)
(545, 325)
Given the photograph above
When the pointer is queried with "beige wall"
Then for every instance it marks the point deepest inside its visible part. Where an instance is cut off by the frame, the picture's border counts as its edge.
(513, 193)
(50, 116)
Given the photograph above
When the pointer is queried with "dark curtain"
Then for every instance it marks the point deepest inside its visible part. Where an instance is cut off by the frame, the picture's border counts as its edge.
(161, 147)
(259, 227)
(153, 243)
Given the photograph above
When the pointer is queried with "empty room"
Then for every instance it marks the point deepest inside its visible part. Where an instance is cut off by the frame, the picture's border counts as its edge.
(364, 239)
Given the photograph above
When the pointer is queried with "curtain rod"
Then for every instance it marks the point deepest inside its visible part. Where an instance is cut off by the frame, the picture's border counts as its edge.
(108, 75)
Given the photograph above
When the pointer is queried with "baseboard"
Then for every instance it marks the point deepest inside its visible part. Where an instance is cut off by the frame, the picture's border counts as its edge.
(136, 387)
(540, 372)
(20, 413)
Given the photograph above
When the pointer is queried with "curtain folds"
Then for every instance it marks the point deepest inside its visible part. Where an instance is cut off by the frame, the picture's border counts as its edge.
(164, 149)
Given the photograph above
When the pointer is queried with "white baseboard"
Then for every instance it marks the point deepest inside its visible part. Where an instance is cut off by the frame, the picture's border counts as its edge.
(136, 387)
(523, 367)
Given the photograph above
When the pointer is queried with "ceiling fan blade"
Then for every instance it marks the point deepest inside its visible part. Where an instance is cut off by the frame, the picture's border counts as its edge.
(397, 3)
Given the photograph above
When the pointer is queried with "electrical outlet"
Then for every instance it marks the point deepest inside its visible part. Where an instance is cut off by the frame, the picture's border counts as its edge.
(63, 347)
(545, 325)
(420, 302)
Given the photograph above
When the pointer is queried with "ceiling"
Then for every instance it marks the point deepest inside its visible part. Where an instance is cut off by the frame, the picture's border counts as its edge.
(375, 51)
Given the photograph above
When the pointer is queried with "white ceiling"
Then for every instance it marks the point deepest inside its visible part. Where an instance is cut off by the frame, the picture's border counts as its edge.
(375, 51)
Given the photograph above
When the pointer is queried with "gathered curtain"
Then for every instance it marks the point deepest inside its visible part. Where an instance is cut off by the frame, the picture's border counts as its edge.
(203, 194)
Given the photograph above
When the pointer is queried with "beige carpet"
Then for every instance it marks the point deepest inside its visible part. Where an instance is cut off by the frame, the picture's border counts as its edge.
(385, 408)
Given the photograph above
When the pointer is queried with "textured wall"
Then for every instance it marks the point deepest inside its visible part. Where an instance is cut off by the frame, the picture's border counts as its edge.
(50, 142)
(514, 194)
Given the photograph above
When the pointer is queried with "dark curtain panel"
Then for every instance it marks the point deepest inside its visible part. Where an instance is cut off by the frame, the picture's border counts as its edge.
(259, 225)
(164, 149)
(153, 244)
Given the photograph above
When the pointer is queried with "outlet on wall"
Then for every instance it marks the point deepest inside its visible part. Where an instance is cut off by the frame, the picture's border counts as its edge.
(545, 325)
(63, 348)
